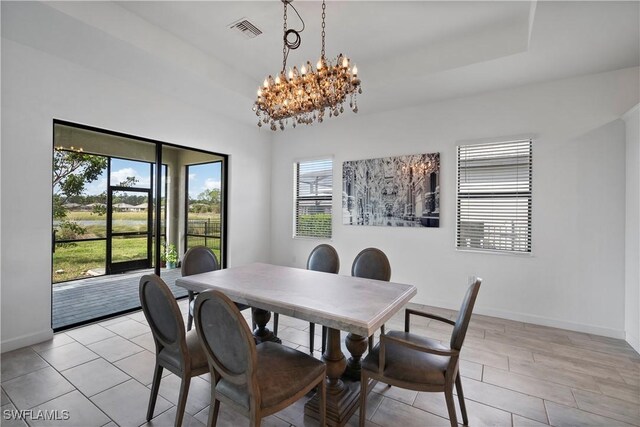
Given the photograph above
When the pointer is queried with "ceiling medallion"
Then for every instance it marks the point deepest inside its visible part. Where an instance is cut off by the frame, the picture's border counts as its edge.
(306, 95)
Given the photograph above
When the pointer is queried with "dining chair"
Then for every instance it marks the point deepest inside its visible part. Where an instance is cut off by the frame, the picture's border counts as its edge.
(418, 363)
(256, 381)
(322, 258)
(372, 263)
(178, 351)
(196, 260)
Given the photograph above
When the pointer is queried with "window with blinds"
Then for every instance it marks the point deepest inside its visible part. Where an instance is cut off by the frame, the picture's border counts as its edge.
(313, 183)
(494, 196)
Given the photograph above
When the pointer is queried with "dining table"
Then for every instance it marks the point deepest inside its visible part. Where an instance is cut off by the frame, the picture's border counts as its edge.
(355, 305)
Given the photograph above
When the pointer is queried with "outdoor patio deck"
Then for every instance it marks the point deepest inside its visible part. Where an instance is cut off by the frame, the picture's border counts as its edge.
(85, 299)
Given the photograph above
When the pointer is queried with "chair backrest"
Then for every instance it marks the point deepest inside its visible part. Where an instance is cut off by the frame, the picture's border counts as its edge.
(163, 314)
(464, 315)
(324, 258)
(199, 259)
(371, 263)
(225, 337)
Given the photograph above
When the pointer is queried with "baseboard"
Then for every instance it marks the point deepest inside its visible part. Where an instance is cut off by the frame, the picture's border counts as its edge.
(633, 342)
(554, 323)
(538, 320)
(26, 340)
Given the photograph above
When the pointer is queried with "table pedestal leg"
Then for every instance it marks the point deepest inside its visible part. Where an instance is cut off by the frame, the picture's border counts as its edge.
(357, 345)
(342, 398)
(262, 333)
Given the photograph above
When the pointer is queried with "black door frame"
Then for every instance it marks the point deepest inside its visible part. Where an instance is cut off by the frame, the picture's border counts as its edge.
(157, 193)
(137, 264)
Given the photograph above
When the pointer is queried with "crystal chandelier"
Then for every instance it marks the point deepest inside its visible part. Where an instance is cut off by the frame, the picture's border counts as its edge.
(306, 95)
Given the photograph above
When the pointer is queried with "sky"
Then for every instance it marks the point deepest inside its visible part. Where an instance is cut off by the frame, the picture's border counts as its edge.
(201, 177)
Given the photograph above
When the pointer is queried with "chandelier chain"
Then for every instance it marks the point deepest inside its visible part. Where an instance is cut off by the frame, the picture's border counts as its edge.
(324, 14)
(289, 44)
(284, 41)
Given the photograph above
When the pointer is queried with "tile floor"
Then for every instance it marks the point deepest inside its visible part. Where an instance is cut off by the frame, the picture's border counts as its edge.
(515, 374)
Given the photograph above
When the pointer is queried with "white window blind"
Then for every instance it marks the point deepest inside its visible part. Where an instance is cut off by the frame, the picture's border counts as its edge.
(313, 183)
(494, 196)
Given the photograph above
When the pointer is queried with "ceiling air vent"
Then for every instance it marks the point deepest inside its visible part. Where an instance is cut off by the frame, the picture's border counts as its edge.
(246, 28)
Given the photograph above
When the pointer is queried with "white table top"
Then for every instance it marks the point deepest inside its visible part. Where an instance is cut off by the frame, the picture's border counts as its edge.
(346, 303)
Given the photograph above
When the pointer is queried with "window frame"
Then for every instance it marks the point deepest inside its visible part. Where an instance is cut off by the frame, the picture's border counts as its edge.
(297, 198)
(517, 194)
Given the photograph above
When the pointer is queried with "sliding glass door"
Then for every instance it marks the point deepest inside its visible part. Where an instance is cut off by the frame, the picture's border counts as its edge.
(115, 219)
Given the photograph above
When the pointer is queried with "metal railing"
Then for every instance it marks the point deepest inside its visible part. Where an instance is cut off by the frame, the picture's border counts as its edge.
(204, 232)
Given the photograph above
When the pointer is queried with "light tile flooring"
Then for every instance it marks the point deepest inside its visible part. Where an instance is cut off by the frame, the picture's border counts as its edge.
(515, 374)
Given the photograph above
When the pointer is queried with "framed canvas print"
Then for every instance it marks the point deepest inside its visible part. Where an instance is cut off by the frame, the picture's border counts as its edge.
(401, 191)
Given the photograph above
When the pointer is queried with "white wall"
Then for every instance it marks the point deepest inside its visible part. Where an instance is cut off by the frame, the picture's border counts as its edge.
(36, 88)
(632, 229)
(575, 276)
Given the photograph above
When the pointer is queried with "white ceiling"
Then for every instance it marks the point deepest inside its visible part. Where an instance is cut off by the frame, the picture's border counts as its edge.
(407, 52)
(366, 31)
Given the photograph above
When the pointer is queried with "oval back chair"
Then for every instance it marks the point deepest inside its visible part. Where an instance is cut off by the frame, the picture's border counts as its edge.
(196, 260)
(254, 380)
(322, 258)
(372, 263)
(200, 259)
(178, 351)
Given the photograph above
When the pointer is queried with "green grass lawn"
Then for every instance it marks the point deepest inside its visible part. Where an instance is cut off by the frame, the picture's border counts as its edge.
(75, 260)
(72, 261)
(121, 222)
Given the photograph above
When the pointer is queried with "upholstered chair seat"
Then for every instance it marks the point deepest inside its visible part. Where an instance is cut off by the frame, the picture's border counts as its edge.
(198, 357)
(281, 375)
(408, 365)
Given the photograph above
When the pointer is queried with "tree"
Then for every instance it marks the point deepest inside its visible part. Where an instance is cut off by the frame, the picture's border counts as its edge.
(72, 170)
(207, 201)
(129, 181)
(211, 197)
